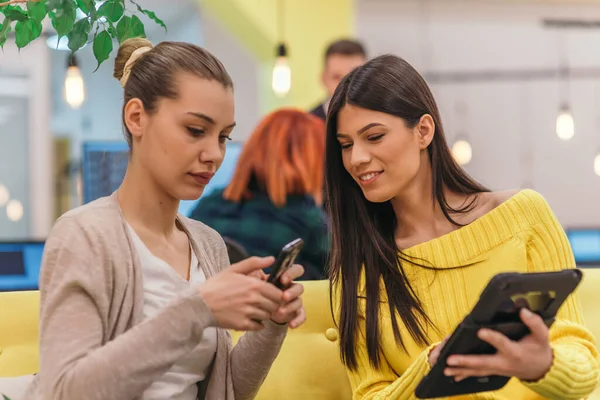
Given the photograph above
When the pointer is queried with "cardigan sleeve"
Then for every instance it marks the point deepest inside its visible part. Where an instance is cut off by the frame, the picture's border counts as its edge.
(77, 358)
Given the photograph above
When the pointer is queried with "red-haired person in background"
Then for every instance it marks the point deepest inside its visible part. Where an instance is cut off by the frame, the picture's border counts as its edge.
(276, 192)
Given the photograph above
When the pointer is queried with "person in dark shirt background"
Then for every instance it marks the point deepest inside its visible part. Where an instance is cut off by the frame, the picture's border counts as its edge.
(276, 191)
(341, 57)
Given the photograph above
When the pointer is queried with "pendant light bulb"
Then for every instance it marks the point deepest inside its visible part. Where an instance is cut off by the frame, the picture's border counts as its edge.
(462, 152)
(282, 74)
(597, 164)
(74, 85)
(565, 126)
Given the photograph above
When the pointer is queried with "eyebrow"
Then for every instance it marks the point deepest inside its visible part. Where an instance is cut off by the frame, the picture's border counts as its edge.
(361, 130)
(208, 119)
(367, 127)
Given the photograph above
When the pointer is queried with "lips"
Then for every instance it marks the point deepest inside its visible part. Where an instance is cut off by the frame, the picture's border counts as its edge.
(369, 177)
(202, 178)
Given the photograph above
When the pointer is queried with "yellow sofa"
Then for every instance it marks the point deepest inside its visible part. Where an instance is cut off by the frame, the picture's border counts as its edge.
(308, 366)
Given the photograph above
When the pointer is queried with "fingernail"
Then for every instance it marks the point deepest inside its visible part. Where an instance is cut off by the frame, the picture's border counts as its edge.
(482, 333)
(452, 361)
(447, 372)
(527, 313)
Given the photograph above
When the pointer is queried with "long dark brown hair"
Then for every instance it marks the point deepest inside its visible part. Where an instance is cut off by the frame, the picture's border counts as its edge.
(363, 232)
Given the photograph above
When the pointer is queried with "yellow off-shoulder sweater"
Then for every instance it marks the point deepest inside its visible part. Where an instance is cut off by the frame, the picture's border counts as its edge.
(520, 235)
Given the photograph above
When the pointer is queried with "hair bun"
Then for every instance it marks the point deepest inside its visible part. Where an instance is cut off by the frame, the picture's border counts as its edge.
(129, 51)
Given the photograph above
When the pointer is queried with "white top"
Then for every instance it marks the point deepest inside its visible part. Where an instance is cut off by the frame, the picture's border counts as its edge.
(161, 285)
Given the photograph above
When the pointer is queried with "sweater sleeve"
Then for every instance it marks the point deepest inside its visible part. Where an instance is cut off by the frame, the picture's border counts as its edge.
(251, 358)
(77, 359)
(575, 369)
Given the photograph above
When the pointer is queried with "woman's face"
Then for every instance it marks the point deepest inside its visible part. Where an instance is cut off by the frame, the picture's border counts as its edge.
(182, 144)
(380, 152)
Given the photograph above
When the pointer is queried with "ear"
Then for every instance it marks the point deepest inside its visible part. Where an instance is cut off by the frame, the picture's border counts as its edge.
(323, 77)
(425, 129)
(135, 116)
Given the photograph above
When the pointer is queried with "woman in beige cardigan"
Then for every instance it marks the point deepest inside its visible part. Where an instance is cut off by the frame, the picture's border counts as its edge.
(136, 300)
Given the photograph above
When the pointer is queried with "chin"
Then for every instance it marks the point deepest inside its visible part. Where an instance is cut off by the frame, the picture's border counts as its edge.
(188, 193)
(377, 196)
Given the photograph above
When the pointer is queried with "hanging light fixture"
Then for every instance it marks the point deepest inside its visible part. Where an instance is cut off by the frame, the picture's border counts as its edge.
(565, 126)
(14, 210)
(462, 151)
(597, 164)
(74, 86)
(282, 74)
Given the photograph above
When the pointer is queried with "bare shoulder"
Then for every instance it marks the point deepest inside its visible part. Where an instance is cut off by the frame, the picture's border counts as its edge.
(499, 197)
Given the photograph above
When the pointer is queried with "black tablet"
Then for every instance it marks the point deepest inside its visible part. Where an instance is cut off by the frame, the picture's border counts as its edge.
(498, 309)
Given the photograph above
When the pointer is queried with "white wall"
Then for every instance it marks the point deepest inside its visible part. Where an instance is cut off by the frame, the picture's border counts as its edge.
(511, 124)
(243, 69)
(27, 151)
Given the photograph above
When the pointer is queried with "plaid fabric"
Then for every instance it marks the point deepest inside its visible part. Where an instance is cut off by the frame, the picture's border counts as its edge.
(263, 229)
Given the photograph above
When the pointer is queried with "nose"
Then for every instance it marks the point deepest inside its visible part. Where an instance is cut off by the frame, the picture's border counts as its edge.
(212, 151)
(359, 155)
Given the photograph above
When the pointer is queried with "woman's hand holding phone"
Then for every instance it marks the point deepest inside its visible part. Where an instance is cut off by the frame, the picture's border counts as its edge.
(291, 311)
(528, 359)
(237, 299)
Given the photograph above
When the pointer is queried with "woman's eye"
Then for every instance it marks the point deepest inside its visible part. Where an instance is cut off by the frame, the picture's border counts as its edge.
(375, 138)
(345, 145)
(195, 132)
(223, 138)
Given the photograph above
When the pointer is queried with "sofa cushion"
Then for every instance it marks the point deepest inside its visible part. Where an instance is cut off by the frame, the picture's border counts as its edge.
(309, 365)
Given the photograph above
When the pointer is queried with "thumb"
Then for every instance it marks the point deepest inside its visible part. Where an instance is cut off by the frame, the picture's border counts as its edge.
(251, 264)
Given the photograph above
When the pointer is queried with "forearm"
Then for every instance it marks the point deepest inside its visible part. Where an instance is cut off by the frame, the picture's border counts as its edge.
(252, 357)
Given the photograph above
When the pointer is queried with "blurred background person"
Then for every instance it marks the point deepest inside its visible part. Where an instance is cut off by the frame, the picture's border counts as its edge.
(276, 192)
(341, 57)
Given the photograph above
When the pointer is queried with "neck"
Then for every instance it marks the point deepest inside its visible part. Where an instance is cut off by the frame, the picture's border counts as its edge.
(418, 213)
(145, 204)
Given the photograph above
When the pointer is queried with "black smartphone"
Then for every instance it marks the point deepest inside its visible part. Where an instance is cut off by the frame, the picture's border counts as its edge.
(284, 261)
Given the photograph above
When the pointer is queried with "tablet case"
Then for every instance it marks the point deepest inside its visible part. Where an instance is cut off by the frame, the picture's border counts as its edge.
(487, 313)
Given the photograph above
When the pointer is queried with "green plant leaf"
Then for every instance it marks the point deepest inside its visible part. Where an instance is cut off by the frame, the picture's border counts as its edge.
(52, 5)
(4, 31)
(112, 10)
(15, 13)
(37, 10)
(26, 31)
(102, 47)
(124, 29)
(112, 30)
(151, 15)
(130, 27)
(64, 17)
(79, 35)
(137, 27)
(87, 6)
(5, 397)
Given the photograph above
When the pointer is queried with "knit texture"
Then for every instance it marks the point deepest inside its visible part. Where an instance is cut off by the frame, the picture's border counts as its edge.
(520, 235)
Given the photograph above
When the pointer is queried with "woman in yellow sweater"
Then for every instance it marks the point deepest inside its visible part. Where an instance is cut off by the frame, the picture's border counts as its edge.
(415, 241)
